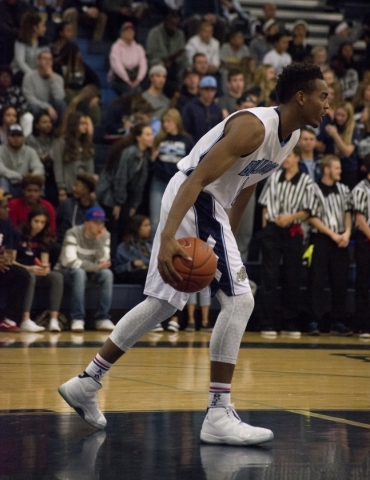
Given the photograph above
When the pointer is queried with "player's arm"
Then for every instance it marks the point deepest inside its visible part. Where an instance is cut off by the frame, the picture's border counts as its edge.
(237, 210)
(244, 133)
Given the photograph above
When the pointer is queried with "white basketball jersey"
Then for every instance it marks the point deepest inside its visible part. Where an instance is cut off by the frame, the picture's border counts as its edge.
(246, 170)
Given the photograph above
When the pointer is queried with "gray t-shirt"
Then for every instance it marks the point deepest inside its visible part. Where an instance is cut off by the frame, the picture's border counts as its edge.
(160, 104)
(227, 102)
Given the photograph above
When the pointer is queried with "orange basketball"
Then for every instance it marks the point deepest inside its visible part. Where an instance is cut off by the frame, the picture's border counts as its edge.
(199, 273)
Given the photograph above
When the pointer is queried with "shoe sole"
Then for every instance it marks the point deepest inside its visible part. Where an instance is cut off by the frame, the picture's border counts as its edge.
(211, 439)
(78, 410)
(290, 334)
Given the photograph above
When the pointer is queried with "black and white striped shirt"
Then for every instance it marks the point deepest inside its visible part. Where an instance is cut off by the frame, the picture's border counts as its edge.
(361, 199)
(284, 197)
(330, 205)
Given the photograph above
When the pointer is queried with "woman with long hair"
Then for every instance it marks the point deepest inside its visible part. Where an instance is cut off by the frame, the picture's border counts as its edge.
(133, 254)
(324, 143)
(346, 138)
(42, 140)
(8, 116)
(265, 81)
(64, 34)
(121, 183)
(29, 45)
(170, 145)
(361, 102)
(86, 101)
(75, 72)
(33, 252)
(73, 153)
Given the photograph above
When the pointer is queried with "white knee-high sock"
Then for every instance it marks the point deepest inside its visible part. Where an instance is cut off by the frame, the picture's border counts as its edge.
(139, 321)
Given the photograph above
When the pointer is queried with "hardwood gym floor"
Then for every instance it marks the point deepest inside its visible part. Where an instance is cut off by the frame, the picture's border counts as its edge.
(314, 393)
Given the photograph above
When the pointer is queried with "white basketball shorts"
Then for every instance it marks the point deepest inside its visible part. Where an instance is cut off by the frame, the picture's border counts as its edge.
(207, 220)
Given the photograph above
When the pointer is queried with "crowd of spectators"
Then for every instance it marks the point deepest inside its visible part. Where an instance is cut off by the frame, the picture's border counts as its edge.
(66, 222)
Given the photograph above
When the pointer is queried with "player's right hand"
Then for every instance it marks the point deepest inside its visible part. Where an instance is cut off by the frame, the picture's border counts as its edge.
(169, 248)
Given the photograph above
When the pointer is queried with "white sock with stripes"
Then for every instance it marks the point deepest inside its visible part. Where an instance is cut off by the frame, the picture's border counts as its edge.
(219, 395)
(98, 368)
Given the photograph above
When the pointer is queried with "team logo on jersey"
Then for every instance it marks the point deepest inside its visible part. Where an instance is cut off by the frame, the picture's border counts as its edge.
(241, 275)
(259, 167)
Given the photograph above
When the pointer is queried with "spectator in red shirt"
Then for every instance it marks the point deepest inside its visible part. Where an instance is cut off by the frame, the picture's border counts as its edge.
(32, 186)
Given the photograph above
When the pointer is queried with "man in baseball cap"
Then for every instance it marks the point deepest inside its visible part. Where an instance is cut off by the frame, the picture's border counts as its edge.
(202, 114)
(85, 260)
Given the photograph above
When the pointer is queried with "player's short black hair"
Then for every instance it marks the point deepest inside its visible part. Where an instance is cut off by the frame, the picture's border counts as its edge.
(297, 77)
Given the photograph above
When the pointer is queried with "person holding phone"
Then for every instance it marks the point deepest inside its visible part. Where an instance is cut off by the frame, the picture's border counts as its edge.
(14, 280)
(33, 254)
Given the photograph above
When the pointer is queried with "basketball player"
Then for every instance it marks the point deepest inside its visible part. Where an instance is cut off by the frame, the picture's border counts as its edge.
(220, 172)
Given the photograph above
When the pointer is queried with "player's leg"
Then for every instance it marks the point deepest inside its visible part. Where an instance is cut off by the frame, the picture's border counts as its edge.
(222, 424)
(81, 392)
(162, 302)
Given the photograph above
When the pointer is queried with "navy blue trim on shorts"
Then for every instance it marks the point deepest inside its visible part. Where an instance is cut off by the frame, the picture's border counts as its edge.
(207, 225)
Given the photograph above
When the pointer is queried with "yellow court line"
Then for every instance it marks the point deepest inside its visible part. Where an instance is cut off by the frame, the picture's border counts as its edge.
(307, 413)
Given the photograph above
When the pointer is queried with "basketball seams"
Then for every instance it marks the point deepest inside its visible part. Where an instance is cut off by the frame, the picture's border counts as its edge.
(194, 279)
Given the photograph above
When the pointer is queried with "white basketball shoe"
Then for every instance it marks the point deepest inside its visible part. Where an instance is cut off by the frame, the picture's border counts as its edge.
(222, 425)
(81, 394)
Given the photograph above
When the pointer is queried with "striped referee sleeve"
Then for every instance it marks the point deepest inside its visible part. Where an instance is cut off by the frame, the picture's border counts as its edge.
(281, 196)
(361, 199)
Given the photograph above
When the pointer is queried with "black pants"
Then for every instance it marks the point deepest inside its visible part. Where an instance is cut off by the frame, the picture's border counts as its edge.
(277, 245)
(17, 281)
(328, 261)
(362, 257)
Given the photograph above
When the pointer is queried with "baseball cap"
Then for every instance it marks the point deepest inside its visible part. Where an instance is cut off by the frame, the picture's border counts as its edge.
(95, 214)
(4, 195)
(15, 129)
(157, 69)
(208, 82)
(268, 24)
(300, 22)
(127, 25)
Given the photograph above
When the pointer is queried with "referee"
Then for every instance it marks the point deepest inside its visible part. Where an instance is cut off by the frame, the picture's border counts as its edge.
(361, 207)
(285, 200)
(331, 223)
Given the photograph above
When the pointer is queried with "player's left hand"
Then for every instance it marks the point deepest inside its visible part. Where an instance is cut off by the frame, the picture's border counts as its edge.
(169, 248)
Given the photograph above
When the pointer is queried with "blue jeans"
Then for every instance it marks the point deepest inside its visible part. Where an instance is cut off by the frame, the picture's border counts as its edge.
(78, 280)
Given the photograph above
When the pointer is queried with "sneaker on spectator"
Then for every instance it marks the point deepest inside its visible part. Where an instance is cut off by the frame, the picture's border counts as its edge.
(30, 326)
(157, 328)
(82, 395)
(54, 325)
(8, 325)
(190, 327)
(173, 326)
(364, 334)
(290, 330)
(340, 330)
(77, 325)
(207, 327)
(269, 332)
(223, 426)
(104, 325)
(313, 329)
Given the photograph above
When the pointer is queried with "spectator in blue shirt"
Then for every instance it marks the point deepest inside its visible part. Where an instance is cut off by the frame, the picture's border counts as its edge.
(202, 114)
